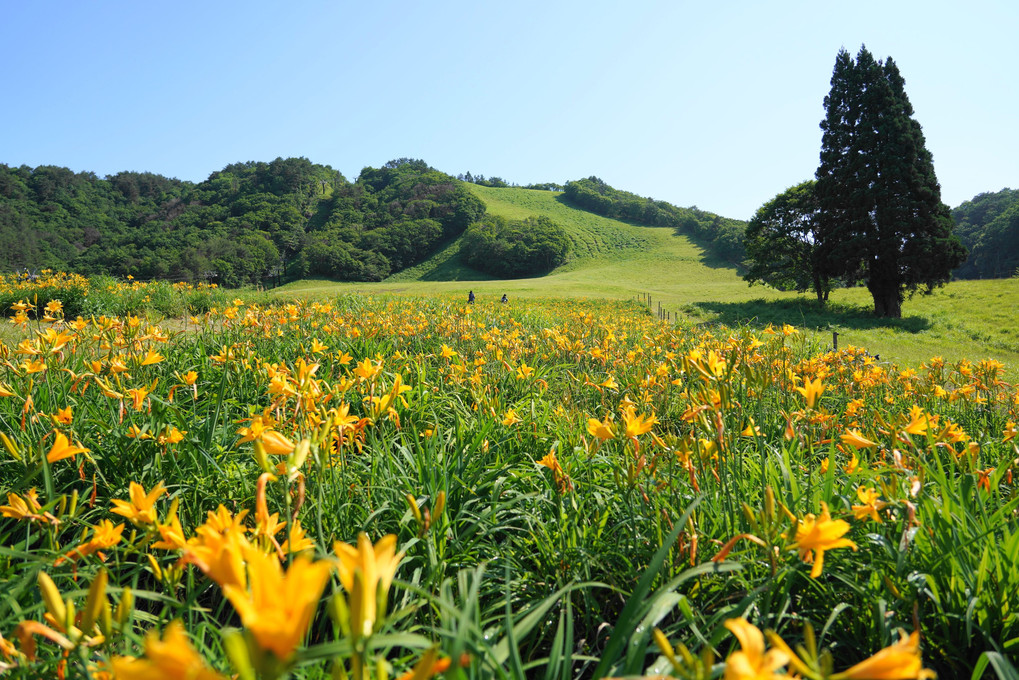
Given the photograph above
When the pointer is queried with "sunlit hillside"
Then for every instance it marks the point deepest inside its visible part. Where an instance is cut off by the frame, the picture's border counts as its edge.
(616, 260)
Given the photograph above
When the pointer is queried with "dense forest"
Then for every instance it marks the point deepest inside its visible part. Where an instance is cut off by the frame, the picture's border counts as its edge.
(988, 225)
(244, 223)
(722, 236)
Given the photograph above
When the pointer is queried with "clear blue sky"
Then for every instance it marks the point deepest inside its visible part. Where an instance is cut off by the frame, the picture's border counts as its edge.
(714, 104)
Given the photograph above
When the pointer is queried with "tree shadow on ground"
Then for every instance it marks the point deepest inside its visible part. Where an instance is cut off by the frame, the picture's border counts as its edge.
(709, 258)
(454, 270)
(805, 314)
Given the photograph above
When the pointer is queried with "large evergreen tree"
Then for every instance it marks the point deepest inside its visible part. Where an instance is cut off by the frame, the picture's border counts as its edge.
(880, 218)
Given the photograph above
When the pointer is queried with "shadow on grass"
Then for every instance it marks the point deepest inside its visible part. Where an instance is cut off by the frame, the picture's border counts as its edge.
(806, 314)
(454, 270)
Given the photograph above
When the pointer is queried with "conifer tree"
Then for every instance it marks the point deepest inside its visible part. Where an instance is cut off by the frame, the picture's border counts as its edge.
(880, 217)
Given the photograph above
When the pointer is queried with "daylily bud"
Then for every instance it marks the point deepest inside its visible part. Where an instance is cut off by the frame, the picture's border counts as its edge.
(11, 447)
(125, 608)
(298, 455)
(94, 602)
(237, 651)
(440, 504)
(260, 457)
(415, 510)
(51, 597)
(106, 618)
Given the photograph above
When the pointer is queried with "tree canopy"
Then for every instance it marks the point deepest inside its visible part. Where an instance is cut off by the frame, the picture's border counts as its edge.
(515, 248)
(781, 243)
(244, 222)
(988, 225)
(880, 219)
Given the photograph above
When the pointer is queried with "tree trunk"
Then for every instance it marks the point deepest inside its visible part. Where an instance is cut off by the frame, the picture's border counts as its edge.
(887, 302)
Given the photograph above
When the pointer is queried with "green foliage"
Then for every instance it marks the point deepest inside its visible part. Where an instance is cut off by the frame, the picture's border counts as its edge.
(723, 236)
(515, 248)
(243, 224)
(880, 218)
(392, 218)
(988, 226)
(781, 243)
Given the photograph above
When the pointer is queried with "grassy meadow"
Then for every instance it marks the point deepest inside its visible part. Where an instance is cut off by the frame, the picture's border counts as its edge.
(618, 261)
(407, 486)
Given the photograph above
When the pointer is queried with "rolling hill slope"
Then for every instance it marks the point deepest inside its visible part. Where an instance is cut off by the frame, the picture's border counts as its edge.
(613, 259)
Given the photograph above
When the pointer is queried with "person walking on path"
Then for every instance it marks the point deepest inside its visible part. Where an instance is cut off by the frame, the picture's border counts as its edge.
(470, 298)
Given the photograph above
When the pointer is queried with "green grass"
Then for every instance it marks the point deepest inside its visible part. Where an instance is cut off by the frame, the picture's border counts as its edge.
(616, 260)
(676, 527)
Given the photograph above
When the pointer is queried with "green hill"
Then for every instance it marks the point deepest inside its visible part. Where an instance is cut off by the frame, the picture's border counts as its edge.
(988, 225)
(618, 260)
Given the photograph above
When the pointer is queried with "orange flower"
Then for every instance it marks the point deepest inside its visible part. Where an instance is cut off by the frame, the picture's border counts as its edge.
(811, 391)
(918, 421)
(24, 508)
(62, 448)
(511, 418)
(751, 662)
(171, 657)
(855, 439)
(104, 535)
(219, 547)
(815, 535)
(562, 480)
(276, 444)
(871, 504)
(900, 661)
(152, 357)
(171, 533)
(367, 572)
(603, 430)
(140, 510)
(637, 425)
(279, 606)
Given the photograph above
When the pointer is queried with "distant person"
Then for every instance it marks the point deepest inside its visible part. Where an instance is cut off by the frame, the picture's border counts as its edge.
(470, 298)
(504, 299)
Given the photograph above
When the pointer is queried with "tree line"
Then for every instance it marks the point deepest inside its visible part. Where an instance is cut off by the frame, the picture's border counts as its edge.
(988, 226)
(289, 217)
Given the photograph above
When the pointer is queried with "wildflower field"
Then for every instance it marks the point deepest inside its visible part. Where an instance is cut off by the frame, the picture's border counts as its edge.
(412, 487)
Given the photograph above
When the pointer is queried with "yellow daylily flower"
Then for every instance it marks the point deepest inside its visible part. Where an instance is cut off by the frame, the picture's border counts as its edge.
(751, 662)
(511, 418)
(140, 510)
(871, 504)
(278, 607)
(918, 421)
(375, 567)
(171, 657)
(899, 661)
(637, 425)
(276, 444)
(62, 448)
(815, 535)
(856, 439)
(811, 391)
(602, 429)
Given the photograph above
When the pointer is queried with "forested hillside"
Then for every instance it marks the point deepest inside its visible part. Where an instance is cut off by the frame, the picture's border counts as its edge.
(722, 235)
(988, 225)
(244, 223)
